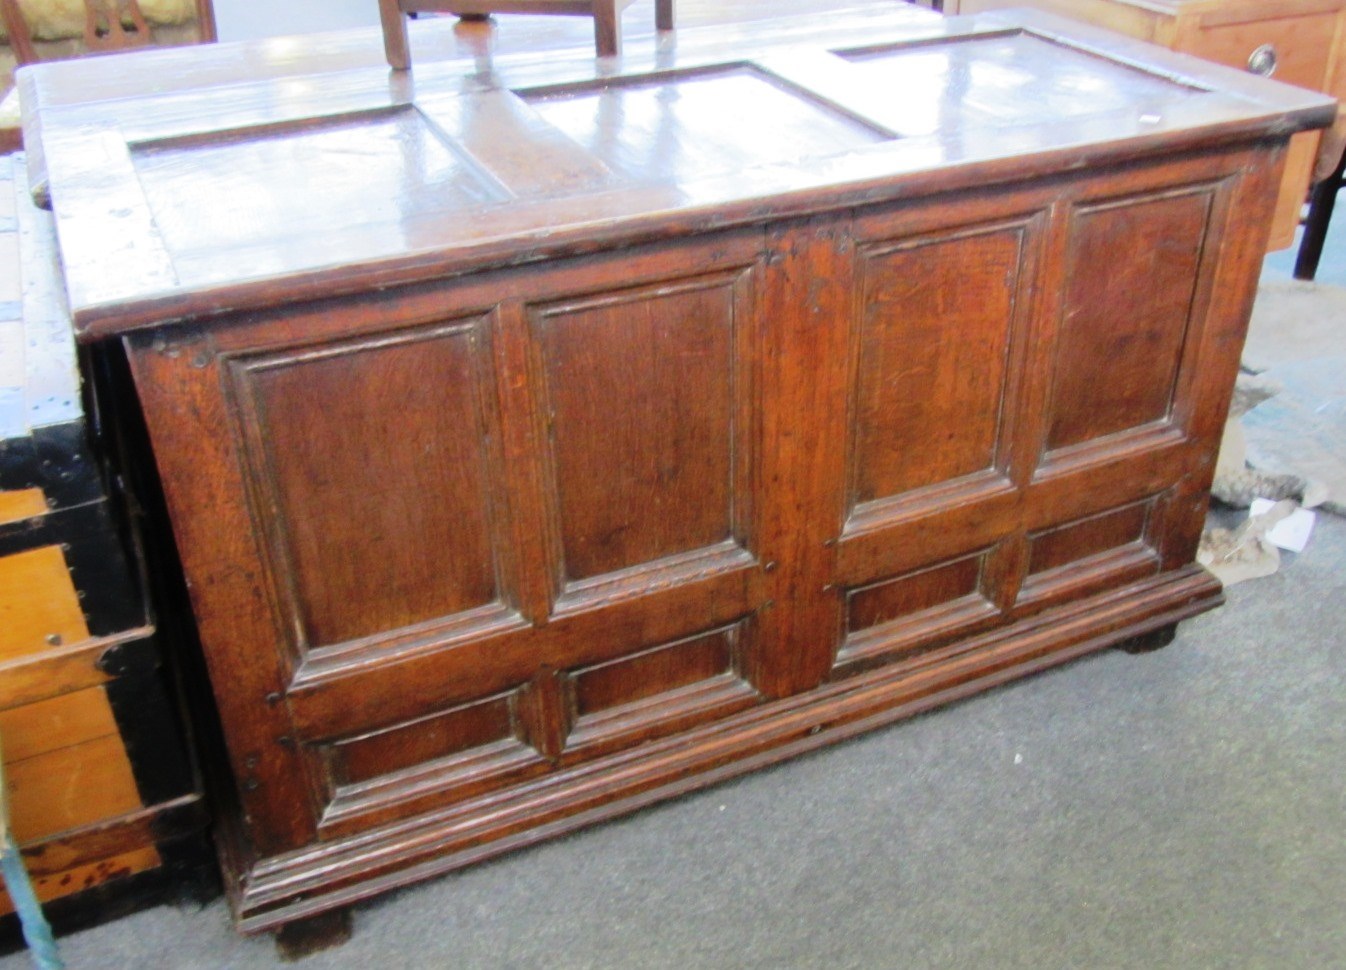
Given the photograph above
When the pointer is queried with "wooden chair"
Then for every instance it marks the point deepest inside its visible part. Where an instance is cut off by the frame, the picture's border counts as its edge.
(606, 14)
(109, 25)
(104, 27)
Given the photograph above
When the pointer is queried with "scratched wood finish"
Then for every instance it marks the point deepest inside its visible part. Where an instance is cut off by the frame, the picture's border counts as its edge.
(365, 552)
(514, 496)
(1307, 37)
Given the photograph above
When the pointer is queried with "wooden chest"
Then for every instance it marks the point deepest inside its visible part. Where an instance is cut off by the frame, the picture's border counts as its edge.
(547, 437)
(1300, 42)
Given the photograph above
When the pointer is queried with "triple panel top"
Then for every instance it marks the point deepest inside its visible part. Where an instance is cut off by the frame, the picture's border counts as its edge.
(258, 176)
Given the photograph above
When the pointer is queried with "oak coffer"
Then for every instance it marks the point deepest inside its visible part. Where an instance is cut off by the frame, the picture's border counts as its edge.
(549, 436)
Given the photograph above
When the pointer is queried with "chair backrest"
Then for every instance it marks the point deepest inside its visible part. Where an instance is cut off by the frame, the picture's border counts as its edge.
(105, 25)
(108, 25)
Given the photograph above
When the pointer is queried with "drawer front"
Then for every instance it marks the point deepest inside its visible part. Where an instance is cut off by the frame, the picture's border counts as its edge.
(1300, 45)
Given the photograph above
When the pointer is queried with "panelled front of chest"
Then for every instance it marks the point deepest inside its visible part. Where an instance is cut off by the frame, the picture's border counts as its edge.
(481, 556)
(1028, 422)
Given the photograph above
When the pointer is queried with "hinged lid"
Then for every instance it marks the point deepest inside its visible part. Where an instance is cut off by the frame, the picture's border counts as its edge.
(241, 193)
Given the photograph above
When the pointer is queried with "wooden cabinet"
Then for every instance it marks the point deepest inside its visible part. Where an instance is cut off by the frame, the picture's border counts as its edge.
(1301, 42)
(544, 443)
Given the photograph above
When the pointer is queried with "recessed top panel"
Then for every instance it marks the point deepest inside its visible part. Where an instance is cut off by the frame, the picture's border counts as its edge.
(210, 187)
(1010, 79)
(685, 127)
(357, 170)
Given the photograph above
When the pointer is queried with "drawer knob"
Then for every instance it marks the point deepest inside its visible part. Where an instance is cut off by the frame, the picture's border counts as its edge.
(1263, 60)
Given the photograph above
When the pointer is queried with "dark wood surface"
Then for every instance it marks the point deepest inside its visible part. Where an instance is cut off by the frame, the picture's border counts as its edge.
(547, 437)
(386, 157)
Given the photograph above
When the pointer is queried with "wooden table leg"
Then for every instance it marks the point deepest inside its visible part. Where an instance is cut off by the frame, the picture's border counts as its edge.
(395, 42)
(607, 28)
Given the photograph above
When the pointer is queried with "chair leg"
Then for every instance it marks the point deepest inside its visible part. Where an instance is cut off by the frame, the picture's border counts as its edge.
(395, 42)
(607, 28)
(1321, 203)
(663, 14)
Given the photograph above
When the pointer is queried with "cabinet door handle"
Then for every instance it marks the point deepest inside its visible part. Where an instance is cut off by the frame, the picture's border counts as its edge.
(1263, 60)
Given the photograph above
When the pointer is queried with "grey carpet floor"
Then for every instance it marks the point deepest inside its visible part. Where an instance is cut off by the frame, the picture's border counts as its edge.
(1185, 808)
(1298, 339)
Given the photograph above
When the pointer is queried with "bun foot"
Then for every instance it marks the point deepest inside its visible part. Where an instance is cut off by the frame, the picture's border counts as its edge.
(304, 937)
(1150, 642)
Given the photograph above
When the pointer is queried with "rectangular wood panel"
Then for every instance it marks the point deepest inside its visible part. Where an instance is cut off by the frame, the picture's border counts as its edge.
(913, 613)
(385, 141)
(1007, 80)
(373, 462)
(676, 123)
(425, 739)
(653, 672)
(642, 397)
(1056, 547)
(656, 692)
(895, 598)
(933, 355)
(1130, 283)
(1079, 558)
(438, 759)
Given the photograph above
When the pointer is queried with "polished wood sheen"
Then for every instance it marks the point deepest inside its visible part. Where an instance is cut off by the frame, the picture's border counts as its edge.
(549, 436)
(1301, 42)
(365, 552)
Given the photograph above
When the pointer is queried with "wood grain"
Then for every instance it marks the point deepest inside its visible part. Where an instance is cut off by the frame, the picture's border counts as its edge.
(1308, 38)
(514, 497)
(39, 608)
(22, 504)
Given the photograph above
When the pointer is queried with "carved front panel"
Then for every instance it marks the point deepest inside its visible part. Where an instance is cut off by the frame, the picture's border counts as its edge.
(1130, 286)
(943, 319)
(640, 392)
(373, 475)
(517, 523)
(933, 353)
(530, 531)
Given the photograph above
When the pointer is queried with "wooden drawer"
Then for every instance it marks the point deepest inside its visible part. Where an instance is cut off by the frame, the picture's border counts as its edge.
(1302, 45)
